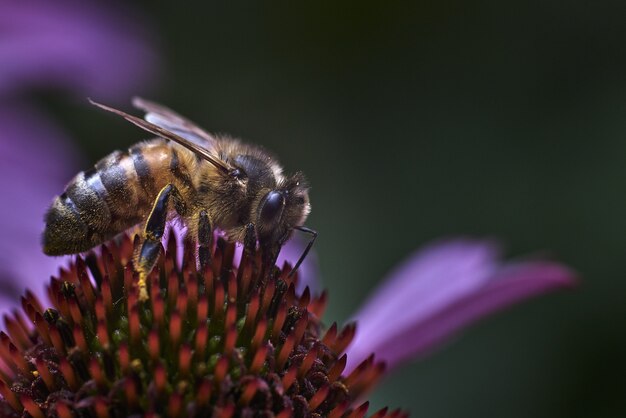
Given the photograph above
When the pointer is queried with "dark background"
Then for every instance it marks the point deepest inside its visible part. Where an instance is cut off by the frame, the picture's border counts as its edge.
(416, 120)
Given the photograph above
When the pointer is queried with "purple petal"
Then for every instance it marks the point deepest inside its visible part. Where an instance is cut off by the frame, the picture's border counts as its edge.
(440, 291)
(71, 44)
(35, 163)
(424, 284)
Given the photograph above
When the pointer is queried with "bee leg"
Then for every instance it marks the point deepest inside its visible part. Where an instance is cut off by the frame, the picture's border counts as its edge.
(249, 246)
(153, 233)
(269, 255)
(249, 240)
(205, 239)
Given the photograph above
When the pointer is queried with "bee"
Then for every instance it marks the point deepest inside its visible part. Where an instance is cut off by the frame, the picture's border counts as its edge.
(206, 181)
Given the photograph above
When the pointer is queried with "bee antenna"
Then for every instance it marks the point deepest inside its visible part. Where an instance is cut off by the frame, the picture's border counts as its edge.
(306, 250)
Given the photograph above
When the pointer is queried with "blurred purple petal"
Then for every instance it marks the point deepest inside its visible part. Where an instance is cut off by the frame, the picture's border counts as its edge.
(35, 163)
(439, 291)
(81, 46)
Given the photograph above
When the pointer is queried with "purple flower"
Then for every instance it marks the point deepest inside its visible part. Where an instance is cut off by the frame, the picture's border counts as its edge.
(84, 49)
(233, 341)
(434, 294)
(429, 298)
(87, 50)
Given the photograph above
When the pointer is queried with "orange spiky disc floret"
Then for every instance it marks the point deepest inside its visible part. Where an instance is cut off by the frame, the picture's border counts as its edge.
(223, 341)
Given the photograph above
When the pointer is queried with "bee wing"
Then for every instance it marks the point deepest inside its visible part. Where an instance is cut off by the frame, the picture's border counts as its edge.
(168, 119)
(165, 133)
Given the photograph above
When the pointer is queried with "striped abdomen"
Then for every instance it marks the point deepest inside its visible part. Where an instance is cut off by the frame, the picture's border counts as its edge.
(111, 197)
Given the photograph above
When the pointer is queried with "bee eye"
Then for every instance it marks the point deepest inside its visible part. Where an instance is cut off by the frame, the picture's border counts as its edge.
(272, 207)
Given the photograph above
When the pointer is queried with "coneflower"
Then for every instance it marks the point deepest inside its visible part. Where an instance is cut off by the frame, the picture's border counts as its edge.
(224, 342)
(96, 352)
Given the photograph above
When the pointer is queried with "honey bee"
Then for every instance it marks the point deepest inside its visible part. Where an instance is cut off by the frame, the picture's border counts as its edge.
(204, 180)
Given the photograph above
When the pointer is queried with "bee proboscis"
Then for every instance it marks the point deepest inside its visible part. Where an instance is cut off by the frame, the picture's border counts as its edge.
(205, 180)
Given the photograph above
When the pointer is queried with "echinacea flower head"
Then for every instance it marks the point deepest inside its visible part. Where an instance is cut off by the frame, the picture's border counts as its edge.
(232, 340)
(226, 341)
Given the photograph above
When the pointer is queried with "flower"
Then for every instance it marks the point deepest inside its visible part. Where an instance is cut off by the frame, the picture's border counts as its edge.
(435, 294)
(234, 342)
(438, 291)
(65, 45)
(226, 341)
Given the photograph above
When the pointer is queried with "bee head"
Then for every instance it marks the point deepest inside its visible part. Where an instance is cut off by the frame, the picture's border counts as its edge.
(282, 209)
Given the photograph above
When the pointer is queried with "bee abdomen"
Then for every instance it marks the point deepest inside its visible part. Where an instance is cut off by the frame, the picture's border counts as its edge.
(77, 219)
(65, 232)
(96, 205)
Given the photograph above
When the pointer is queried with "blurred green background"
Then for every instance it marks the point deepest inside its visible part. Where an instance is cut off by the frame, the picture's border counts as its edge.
(416, 120)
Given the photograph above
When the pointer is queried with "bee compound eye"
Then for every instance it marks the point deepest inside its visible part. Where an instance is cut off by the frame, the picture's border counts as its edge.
(272, 207)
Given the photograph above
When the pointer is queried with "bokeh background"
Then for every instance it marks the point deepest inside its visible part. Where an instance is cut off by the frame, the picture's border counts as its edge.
(417, 120)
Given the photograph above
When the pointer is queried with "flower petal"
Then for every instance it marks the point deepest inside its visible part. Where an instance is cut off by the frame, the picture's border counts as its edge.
(35, 163)
(426, 283)
(461, 296)
(70, 44)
